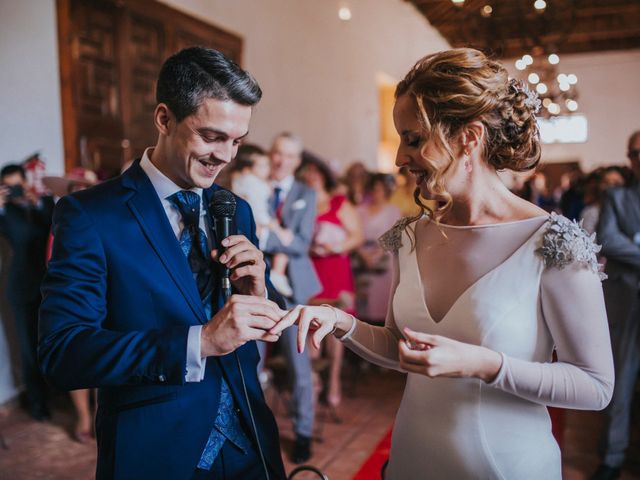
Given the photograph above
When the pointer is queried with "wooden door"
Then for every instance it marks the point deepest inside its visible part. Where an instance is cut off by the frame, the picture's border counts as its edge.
(110, 54)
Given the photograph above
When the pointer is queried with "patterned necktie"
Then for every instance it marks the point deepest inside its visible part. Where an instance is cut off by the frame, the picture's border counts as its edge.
(193, 242)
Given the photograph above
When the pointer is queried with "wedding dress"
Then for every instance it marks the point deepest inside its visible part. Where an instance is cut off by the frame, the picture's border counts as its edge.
(519, 288)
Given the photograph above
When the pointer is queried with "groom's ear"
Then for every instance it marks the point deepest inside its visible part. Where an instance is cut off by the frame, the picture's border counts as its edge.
(164, 119)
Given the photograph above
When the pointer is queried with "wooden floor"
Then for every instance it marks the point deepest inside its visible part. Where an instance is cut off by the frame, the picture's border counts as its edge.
(46, 451)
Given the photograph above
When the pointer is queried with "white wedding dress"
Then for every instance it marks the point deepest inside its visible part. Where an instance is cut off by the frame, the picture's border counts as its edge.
(493, 286)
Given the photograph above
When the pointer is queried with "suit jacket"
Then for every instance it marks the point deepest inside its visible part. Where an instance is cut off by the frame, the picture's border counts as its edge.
(618, 224)
(27, 230)
(299, 216)
(118, 301)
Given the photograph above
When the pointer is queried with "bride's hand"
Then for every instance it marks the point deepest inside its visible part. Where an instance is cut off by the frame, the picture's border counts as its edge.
(321, 320)
(437, 356)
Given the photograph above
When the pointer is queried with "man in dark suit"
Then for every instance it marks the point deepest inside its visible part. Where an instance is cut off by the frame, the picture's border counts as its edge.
(25, 221)
(619, 233)
(294, 204)
(133, 302)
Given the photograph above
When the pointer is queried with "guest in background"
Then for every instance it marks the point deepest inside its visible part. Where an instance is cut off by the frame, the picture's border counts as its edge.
(594, 185)
(25, 221)
(76, 180)
(337, 233)
(355, 179)
(294, 204)
(618, 232)
(371, 262)
(251, 182)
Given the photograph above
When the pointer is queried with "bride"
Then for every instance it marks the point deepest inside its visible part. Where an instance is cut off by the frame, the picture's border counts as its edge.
(486, 286)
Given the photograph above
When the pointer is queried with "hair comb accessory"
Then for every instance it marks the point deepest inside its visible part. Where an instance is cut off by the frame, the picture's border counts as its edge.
(532, 101)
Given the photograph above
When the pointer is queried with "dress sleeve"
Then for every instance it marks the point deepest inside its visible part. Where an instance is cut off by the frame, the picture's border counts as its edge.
(573, 309)
(375, 344)
(378, 344)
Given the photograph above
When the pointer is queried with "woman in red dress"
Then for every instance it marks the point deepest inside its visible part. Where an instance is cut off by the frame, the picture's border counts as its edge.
(337, 233)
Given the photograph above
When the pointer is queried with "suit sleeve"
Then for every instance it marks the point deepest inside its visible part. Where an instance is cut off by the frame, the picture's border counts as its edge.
(302, 235)
(615, 244)
(75, 350)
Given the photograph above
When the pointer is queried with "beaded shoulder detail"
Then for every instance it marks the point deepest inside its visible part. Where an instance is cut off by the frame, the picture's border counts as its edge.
(565, 241)
(391, 240)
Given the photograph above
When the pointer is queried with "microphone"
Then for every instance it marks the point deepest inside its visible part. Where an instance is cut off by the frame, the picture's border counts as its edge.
(222, 209)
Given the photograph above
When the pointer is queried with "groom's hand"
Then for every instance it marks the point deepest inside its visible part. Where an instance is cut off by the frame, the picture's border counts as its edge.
(246, 263)
(242, 319)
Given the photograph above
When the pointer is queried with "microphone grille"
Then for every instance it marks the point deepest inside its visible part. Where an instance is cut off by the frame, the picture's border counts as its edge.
(223, 204)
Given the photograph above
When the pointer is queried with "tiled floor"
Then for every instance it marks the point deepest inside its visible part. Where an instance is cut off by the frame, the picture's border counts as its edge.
(45, 451)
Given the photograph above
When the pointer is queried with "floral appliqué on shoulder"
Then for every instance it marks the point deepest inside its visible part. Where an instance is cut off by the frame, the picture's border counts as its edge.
(391, 240)
(565, 242)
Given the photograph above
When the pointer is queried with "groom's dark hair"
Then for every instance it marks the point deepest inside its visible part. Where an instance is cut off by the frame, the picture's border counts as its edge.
(194, 74)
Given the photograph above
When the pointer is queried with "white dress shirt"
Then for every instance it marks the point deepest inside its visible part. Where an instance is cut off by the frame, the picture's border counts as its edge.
(165, 187)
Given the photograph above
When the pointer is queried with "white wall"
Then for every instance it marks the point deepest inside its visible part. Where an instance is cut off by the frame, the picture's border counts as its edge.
(609, 95)
(30, 109)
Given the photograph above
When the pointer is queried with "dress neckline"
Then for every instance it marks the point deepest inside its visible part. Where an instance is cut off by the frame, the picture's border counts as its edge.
(490, 225)
(481, 279)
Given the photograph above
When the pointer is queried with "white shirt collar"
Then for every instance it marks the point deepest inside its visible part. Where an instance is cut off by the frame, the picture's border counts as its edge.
(163, 186)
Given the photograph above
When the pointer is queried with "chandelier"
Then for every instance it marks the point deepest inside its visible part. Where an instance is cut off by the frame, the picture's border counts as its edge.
(557, 90)
(547, 25)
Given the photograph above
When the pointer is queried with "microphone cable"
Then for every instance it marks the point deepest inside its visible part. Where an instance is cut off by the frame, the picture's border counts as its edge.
(224, 203)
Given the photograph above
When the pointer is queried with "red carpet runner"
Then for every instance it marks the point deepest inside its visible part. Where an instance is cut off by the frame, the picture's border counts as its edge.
(370, 470)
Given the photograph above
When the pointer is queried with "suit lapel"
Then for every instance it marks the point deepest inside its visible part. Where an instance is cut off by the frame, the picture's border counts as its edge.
(147, 208)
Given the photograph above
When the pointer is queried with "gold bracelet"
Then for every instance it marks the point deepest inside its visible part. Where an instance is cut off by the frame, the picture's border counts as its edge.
(335, 313)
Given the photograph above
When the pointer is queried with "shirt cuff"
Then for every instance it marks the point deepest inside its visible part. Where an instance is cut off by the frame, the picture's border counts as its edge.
(195, 363)
(263, 238)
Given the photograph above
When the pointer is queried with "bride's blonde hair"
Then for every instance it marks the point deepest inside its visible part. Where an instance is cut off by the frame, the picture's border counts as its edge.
(459, 86)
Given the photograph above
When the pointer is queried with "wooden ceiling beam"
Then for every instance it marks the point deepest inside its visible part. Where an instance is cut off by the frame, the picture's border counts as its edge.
(577, 26)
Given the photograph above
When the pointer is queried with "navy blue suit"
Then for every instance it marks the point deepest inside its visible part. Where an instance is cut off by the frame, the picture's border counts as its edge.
(118, 301)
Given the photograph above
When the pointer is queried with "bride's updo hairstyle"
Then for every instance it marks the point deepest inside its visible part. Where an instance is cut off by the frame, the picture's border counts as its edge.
(459, 86)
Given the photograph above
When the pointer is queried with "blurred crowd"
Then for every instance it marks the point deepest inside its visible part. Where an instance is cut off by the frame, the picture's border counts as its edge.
(577, 195)
(304, 211)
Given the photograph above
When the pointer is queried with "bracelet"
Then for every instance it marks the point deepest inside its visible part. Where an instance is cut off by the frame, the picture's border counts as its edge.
(335, 313)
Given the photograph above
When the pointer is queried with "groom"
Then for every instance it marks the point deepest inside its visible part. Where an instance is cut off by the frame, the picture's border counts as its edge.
(133, 304)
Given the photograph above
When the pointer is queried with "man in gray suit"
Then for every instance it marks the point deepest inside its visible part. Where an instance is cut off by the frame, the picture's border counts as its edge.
(294, 204)
(619, 233)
